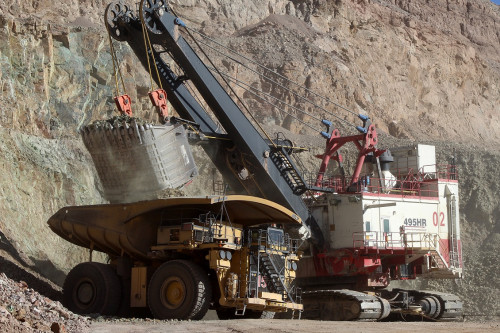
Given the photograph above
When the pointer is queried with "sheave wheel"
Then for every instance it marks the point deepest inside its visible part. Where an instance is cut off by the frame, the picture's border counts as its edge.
(179, 289)
(92, 288)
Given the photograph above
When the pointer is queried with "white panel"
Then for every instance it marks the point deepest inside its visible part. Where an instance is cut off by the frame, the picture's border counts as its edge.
(348, 219)
(345, 215)
(413, 157)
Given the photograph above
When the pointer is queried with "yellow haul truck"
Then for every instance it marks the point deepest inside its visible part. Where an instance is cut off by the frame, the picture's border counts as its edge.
(179, 257)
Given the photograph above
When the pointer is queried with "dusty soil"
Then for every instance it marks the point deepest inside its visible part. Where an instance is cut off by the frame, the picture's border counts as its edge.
(273, 325)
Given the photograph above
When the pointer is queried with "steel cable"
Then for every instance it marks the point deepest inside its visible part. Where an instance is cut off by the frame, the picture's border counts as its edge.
(275, 73)
(270, 103)
(116, 66)
(242, 85)
(236, 95)
(281, 86)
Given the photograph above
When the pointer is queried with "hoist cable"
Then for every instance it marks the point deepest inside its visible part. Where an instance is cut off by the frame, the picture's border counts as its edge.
(147, 53)
(281, 86)
(151, 49)
(276, 73)
(116, 67)
(236, 95)
(242, 85)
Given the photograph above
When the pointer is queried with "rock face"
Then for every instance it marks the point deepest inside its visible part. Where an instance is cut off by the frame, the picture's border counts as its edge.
(423, 70)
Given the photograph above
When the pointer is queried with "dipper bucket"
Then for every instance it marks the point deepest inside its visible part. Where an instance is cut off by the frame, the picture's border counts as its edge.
(135, 160)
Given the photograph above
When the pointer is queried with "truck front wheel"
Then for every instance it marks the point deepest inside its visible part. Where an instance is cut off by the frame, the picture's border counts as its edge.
(179, 289)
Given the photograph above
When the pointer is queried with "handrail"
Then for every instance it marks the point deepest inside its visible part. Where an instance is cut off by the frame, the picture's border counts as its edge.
(395, 240)
(375, 240)
(268, 247)
(407, 183)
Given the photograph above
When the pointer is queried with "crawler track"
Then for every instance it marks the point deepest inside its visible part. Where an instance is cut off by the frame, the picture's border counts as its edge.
(343, 305)
(451, 307)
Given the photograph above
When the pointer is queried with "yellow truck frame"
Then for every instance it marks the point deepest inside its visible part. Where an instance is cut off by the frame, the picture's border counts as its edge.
(178, 257)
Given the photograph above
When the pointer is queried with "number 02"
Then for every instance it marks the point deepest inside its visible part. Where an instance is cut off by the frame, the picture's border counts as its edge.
(435, 219)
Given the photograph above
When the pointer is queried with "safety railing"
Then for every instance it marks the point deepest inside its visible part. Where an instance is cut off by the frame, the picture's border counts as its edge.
(406, 183)
(330, 183)
(395, 240)
(442, 256)
(454, 259)
(267, 266)
(440, 171)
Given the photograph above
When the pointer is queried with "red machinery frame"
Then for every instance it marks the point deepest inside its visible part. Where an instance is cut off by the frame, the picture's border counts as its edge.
(365, 142)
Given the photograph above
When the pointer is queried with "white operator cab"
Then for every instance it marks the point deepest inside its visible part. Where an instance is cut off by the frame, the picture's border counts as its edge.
(418, 213)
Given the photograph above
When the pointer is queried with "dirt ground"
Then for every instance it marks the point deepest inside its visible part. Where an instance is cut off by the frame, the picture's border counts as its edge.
(274, 325)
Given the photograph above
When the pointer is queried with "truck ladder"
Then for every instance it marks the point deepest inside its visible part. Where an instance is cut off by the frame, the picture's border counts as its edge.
(452, 206)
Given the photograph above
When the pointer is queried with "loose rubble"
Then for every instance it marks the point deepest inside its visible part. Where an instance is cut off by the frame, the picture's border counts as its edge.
(119, 122)
(22, 309)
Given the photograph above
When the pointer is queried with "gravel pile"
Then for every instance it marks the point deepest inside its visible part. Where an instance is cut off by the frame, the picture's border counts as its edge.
(22, 309)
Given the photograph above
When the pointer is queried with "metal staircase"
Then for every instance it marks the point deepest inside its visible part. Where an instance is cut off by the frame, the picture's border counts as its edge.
(268, 265)
(288, 170)
(270, 268)
(436, 265)
(437, 262)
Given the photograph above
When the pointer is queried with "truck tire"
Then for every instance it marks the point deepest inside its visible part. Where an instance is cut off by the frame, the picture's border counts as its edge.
(179, 289)
(92, 288)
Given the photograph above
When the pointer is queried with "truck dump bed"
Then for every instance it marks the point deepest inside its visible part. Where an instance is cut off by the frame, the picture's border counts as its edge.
(132, 228)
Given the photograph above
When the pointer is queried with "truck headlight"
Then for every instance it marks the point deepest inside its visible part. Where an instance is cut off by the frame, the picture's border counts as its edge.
(222, 254)
(225, 255)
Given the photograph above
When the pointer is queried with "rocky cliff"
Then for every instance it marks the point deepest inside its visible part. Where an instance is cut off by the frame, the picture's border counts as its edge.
(423, 70)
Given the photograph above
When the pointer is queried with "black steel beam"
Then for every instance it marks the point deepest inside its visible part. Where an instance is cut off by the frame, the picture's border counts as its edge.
(247, 139)
(265, 179)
